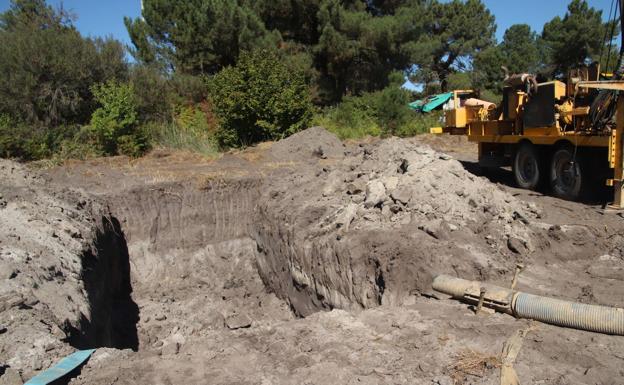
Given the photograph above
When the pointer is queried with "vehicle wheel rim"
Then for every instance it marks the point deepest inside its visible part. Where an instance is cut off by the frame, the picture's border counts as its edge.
(566, 173)
(527, 167)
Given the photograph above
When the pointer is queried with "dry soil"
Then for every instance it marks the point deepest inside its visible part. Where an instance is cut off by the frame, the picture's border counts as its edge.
(306, 261)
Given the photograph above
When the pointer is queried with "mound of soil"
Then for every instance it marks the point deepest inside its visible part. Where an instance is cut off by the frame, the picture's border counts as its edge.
(374, 225)
(313, 143)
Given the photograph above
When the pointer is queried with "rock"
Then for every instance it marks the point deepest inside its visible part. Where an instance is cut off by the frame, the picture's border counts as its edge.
(436, 229)
(214, 320)
(238, 321)
(516, 245)
(390, 183)
(356, 187)
(357, 198)
(11, 300)
(345, 217)
(11, 377)
(320, 152)
(607, 257)
(332, 184)
(401, 195)
(160, 317)
(386, 212)
(375, 193)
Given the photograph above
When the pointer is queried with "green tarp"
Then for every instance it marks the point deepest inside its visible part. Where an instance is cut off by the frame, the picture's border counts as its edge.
(431, 103)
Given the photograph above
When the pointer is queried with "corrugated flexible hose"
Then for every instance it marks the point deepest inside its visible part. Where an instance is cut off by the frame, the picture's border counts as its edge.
(600, 319)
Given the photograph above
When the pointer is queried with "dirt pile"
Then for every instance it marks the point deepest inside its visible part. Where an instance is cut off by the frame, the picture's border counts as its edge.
(65, 273)
(375, 224)
(313, 143)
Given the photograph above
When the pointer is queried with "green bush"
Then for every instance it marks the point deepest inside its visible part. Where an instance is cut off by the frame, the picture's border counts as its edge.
(114, 124)
(383, 112)
(259, 99)
(26, 142)
(420, 124)
(348, 120)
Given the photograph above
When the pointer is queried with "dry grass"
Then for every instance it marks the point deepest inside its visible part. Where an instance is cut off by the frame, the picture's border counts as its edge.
(472, 363)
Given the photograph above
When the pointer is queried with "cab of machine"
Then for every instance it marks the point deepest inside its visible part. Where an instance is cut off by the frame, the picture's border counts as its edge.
(455, 112)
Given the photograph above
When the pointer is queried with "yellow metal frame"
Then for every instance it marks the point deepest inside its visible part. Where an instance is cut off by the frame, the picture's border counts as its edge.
(615, 153)
(575, 139)
(458, 117)
(504, 132)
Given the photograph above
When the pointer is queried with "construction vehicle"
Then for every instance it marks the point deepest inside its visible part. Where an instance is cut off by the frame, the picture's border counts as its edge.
(568, 134)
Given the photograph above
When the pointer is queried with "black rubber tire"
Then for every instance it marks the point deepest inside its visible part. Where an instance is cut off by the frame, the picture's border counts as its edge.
(526, 167)
(566, 174)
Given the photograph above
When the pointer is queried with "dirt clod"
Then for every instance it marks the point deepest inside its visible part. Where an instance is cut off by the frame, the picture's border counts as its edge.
(238, 321)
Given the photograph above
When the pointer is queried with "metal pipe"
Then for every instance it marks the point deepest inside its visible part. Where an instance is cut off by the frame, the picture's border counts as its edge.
(600, 319)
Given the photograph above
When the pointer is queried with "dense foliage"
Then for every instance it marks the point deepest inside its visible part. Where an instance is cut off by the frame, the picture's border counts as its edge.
(114, 123)
(259, 99)
(46, 71)
(213, 74)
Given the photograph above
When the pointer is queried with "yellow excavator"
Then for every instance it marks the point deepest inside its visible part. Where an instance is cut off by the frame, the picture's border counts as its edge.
(568, 134)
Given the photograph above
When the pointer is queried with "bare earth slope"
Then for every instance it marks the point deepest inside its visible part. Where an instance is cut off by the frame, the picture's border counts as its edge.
(219, 261)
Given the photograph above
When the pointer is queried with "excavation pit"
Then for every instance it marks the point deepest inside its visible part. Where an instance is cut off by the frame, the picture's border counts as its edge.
(290, 263)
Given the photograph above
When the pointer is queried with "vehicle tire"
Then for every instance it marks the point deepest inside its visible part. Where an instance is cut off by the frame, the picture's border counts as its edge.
(566, 174)
(526, 166)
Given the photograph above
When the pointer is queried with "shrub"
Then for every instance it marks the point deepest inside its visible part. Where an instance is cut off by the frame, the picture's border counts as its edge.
(259, 99)
(348, 120)
(23, 141)
(114, 124)
(384, 112)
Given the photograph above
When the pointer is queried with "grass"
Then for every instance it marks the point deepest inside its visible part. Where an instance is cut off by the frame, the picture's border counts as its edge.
(473, 363)
(171, 135)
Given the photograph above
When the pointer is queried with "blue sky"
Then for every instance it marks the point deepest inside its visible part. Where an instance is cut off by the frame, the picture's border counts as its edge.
(105, 17)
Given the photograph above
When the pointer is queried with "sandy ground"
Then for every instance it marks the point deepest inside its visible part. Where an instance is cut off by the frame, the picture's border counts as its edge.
(306, 261)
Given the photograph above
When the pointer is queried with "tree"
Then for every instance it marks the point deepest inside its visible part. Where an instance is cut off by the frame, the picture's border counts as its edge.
(196, 36)
(456, 32)
(46, 67)
(519, 52)
(296, 20)
(520, 49)
(259, 99)
(487, 71)
(358, 48)
(575, 38)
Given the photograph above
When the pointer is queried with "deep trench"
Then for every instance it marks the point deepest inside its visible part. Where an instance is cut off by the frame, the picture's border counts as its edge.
(106, 277)
(180, 218)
